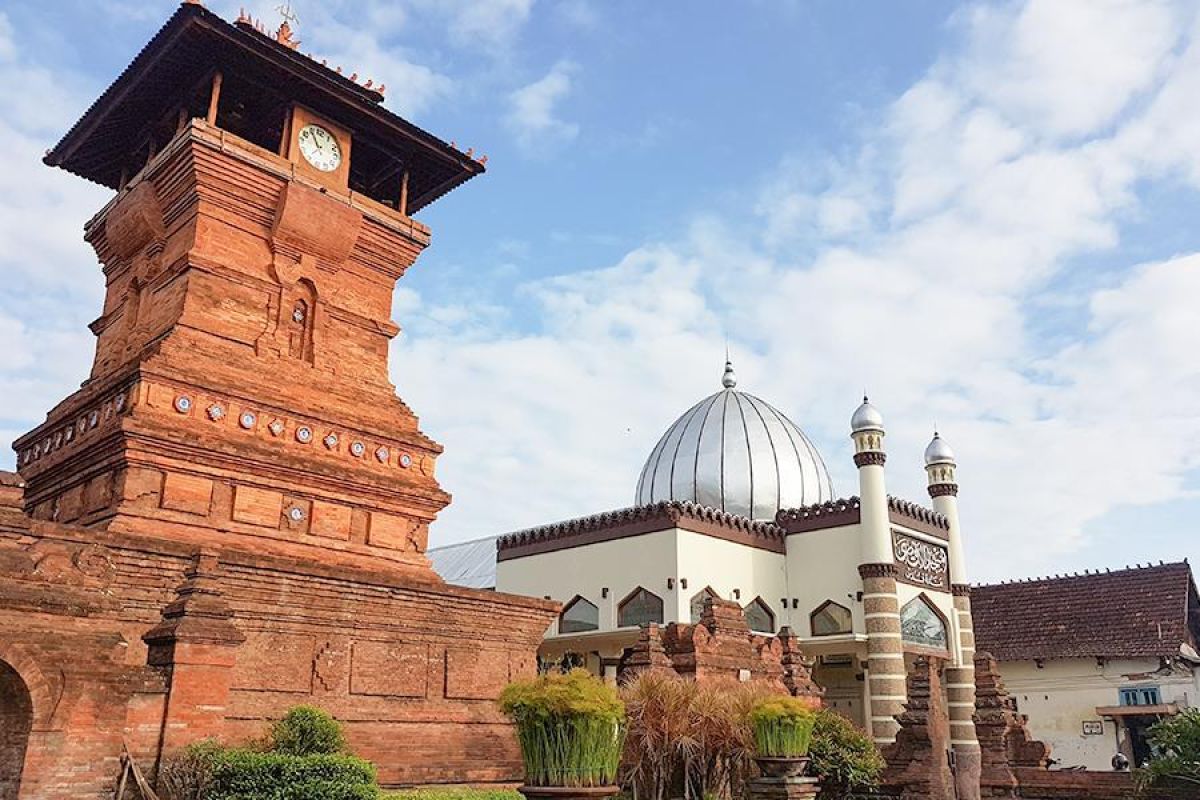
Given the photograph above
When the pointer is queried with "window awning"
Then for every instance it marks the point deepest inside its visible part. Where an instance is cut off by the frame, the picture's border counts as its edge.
(1159, 710)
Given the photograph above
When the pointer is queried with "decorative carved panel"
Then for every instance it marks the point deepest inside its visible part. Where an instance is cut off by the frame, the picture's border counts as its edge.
(921, 563)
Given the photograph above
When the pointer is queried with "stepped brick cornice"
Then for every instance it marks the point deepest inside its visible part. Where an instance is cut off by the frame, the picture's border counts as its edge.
(637, 520)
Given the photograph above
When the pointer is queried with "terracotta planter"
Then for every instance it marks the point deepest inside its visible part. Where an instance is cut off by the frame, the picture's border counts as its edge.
(568, 792)
(772, 767)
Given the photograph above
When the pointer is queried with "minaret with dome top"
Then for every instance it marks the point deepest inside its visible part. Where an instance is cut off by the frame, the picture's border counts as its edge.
(885, 677)
(940, 467)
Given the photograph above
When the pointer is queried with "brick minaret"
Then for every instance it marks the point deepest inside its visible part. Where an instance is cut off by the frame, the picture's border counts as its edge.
(960, 673)
(240, 392)
(881, 606)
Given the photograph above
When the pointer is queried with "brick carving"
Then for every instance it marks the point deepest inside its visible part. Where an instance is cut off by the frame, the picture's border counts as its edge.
(721, 646)
(1004, 738)
(917, 763)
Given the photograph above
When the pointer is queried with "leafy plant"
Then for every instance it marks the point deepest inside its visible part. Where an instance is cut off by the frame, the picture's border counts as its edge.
(1176, 743)
(306, 730)
(843, 756)
(251, 775)
(783, 726)
(570, 727)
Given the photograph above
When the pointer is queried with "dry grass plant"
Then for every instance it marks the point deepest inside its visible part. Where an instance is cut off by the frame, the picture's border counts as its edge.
(688, 739)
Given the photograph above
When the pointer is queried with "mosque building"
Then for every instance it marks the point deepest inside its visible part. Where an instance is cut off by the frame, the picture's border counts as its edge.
(735, 502)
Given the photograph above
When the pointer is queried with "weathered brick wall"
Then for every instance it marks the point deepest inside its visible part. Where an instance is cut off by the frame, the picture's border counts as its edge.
(412, 669)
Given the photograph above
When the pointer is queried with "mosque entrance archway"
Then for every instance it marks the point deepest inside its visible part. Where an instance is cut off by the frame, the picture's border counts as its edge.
(16, 721)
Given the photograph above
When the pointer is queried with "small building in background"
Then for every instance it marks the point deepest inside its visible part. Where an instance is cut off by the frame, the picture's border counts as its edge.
(1095, 659)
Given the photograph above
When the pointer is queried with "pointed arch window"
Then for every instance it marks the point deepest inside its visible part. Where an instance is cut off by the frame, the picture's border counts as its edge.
(698, 601)
(831, 619)
(641, 607)
(578, 616)
(922, 624)
(759, 616)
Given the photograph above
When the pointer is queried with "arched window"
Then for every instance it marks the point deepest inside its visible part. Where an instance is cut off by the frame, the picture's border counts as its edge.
(697, 604)
(579, 615)
(922, 625)
(759, 616)
(830, 619)
(640, 608)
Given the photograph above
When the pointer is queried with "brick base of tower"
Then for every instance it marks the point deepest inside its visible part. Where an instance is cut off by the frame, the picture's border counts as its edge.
(232, 640)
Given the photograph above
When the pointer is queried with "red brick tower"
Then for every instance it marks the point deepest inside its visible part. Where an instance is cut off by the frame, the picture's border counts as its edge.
(229, 517)
(240, 388)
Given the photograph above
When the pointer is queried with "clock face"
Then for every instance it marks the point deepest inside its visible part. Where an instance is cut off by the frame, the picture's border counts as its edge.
(320, 148)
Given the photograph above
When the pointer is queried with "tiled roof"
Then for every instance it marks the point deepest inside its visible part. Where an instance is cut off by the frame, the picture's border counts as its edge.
(1139, 612)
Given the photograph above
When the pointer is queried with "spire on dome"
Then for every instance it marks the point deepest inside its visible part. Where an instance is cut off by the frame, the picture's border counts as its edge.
(728, 380)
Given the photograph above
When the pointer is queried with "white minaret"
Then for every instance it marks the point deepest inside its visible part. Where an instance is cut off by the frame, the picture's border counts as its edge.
(940, 467)
(886, 688)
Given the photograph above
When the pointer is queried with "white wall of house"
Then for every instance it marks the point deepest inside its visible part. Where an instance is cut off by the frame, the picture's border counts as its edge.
(1064, 693)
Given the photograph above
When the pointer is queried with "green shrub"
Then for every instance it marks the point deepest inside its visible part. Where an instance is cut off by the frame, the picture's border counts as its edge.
(570, 728)
(251, 775)
(843, 756)
(1176, 744)
(306, 730)
(783, 726)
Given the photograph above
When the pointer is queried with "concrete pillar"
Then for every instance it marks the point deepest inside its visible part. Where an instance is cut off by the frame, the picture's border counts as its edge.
(940, 468)
(886, 685)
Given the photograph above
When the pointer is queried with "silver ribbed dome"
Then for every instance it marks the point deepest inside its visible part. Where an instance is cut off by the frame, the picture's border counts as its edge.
(737, 453)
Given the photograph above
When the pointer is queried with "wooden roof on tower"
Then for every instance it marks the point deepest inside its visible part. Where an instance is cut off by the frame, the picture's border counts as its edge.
(192, 45)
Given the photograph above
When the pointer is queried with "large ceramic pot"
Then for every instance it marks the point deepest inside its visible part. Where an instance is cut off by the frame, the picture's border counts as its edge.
(568, 792)
(782, 767)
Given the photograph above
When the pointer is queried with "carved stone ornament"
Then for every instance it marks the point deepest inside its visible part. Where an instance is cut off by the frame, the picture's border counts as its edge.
(921, 563)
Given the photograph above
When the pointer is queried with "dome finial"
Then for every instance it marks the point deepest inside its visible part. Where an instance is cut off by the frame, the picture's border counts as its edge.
(728, 380)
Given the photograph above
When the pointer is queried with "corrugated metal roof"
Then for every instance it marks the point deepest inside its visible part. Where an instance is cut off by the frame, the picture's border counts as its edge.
(469, 564)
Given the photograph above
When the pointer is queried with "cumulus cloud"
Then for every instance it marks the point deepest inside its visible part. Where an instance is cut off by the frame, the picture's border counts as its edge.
(533, 110)
(929, 266)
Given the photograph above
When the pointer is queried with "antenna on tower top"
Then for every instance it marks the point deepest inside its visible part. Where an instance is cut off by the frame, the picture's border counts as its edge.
(286, 12)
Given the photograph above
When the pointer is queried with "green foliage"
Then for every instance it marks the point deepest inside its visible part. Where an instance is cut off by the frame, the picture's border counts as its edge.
(1176, 744)
(453, 793)
(306, 730)
(843, 756)
(570, 727)
(783, 726)
(251, 775)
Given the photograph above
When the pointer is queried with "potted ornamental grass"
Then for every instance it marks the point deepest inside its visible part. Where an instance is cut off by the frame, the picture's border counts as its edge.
(570, 728)
(783, 730)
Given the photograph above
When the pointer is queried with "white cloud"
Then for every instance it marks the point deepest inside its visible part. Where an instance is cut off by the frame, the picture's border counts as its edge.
(533, 116)
(962, 207)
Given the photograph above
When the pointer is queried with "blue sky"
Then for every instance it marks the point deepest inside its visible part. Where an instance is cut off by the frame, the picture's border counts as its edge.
(983, 213)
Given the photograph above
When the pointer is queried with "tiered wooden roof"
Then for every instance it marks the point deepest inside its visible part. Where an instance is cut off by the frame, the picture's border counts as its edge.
(263, 75)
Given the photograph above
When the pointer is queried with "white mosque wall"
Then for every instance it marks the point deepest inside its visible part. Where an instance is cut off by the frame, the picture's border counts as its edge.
(823, 565)
(621, 566)
(726, 566)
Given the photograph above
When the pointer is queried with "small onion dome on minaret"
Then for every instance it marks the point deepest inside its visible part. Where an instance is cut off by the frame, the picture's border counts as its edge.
(940, 466)
(866, 429)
